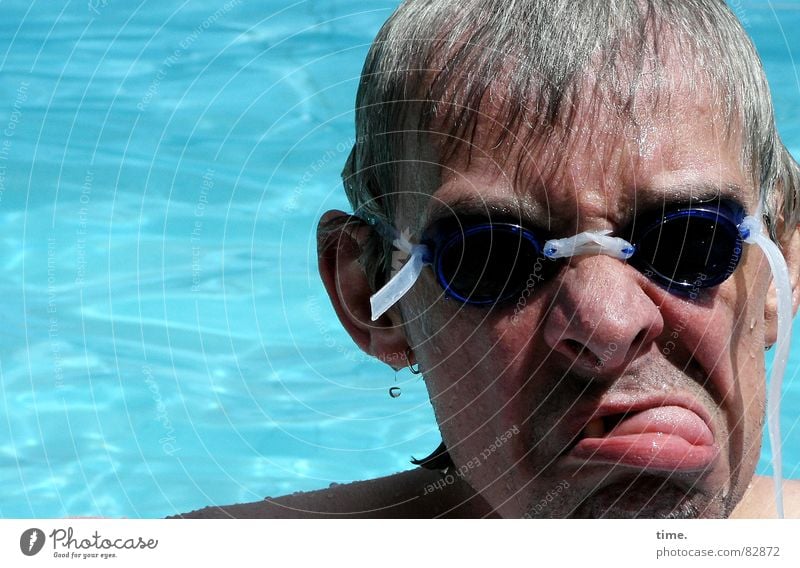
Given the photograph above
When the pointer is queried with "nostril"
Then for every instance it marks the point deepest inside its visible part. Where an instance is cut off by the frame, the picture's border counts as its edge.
(639, 340)
(575, 348)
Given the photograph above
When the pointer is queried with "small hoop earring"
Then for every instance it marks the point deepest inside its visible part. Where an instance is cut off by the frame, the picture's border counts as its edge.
(415, 371)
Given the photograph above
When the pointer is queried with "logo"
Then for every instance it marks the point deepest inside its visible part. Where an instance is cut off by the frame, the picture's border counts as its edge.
(31, 542)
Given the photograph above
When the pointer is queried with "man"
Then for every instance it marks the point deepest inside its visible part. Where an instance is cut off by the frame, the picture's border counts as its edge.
(598, 384)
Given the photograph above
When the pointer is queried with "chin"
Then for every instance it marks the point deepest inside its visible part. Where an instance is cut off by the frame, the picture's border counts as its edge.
(648, 498)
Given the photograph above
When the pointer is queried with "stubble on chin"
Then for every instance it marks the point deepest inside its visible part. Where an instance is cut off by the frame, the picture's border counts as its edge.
(638, 499)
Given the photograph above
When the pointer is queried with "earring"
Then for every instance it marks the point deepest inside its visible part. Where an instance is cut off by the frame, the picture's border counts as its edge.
(409, 353)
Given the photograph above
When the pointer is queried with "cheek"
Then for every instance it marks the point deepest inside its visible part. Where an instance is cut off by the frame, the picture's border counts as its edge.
(723, 333)
(747, 336)
(469, 356)
(721, 329)
(747, 344)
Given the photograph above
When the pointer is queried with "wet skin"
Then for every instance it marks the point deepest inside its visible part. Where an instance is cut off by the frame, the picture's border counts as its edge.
(690, 370)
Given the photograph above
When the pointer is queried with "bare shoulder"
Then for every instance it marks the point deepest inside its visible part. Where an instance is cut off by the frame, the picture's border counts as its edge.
(417, 493)
(759, 500)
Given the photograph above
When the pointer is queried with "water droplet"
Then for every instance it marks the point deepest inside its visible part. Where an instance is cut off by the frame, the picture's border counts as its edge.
(394, 392)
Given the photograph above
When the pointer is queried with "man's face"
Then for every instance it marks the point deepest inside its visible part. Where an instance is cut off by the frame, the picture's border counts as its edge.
(600, 393)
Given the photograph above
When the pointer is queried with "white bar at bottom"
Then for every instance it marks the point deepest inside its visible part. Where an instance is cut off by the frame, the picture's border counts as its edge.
(388, 543)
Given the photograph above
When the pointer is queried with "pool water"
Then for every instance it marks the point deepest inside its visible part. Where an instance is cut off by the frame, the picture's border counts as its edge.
(166, 341)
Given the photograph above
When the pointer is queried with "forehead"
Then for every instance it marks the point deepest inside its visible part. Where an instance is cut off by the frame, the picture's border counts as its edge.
(599, 165)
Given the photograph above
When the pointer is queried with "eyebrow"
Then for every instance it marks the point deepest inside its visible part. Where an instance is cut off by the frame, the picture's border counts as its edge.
(478, 206)
(645, 198)
(650, 197)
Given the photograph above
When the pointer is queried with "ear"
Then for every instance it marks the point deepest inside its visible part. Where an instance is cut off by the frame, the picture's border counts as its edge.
(790, 246)
(340, 242)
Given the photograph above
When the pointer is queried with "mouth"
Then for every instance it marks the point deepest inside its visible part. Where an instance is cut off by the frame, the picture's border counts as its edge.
(654, 436)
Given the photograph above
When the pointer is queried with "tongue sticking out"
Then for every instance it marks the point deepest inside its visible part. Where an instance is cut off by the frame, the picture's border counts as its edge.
(673, 420)
(667, 438)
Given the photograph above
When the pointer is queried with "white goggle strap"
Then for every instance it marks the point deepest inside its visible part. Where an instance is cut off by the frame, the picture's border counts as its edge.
(752, 232)
(589, 242)
(400, 283)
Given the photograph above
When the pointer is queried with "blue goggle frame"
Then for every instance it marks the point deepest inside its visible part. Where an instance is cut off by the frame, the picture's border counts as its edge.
(709, 249)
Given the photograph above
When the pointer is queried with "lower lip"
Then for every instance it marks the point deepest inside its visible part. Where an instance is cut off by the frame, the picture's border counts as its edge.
(649, 447)
(651, 452)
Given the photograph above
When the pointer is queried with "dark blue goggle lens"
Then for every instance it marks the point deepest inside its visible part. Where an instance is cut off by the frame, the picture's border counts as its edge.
(689, 248)
(490, 263)
(683, 249)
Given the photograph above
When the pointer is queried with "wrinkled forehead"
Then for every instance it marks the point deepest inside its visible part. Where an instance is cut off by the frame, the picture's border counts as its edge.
(658, 129)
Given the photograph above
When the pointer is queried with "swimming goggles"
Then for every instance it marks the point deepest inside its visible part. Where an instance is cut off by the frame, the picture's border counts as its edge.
(684, 248)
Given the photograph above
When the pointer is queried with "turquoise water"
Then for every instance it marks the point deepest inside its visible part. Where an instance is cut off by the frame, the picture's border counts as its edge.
(166, 342)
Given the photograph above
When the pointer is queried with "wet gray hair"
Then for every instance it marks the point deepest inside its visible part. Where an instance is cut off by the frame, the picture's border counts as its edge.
(435, 61)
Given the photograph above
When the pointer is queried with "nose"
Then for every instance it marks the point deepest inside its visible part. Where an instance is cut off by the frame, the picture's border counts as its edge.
(601, 318)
